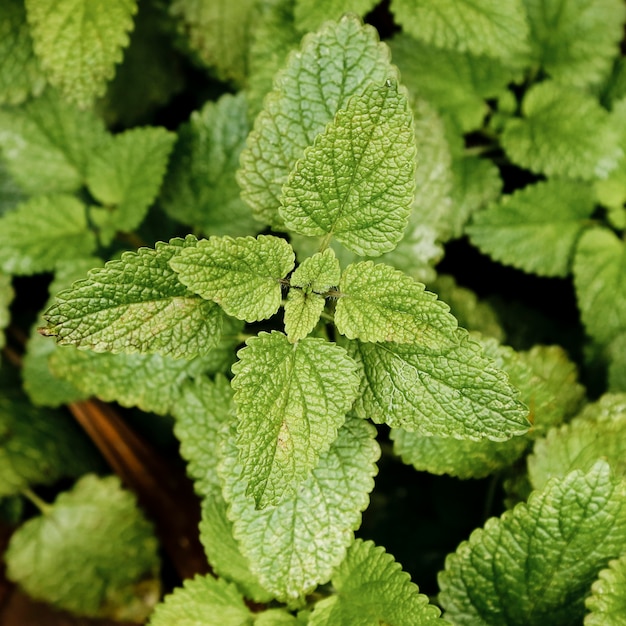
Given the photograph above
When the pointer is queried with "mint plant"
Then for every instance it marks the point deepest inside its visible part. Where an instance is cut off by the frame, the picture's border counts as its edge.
(267, 275)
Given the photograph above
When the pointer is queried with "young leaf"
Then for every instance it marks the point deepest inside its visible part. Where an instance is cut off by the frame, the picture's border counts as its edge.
(242, 275)
(137, 304)
(200, 188)
(371, 589)
(599, 266)
(489, 27)
(203, 601)
(92, 552)
(536, 228)
(564, 132)
(607, 602)
(311, 14)
(339, 61)
(575, 42)
(451, 392)
(296, 545)
(356, 182)
(126, 173)
(291, 399)
(302, 313)
(379, 303)
(80, 41)
(42, 232)
(534, 565)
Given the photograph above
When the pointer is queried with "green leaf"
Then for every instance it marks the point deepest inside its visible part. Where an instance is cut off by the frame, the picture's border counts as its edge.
(617, 363)
(296, 545)
(339, 61)
(126, 173)
(317, 274)
(599, 266)
(6, 296)
(92, 552)
(356, 183)
(20, 73)
(203, 601)
(575, 41)
(43, 231)
(80, 41)
(564, 132)
(311, 14)
(452, 392)
(607, 602)
(536, 228)
(489, 27)
(291, 399)
(371, 589)
(599, 432)
(47, 144)
(200, 188)
(535, 564)
(242, 275)
(379, 303)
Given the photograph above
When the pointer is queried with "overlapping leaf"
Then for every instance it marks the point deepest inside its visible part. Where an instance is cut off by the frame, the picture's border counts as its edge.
(291, 399)
(607, 602)
(80, 41)
(535, 564)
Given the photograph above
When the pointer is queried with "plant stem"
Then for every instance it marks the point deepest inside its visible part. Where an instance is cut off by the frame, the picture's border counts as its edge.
(42, 505)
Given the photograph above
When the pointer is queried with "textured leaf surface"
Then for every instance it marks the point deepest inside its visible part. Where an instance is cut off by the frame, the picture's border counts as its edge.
(92, 553)
(80, 41)
(20, 73)
(137, 304)
(379, 303)
(302, 313)
(47, 144)
(564, 132)
(536, 228)
(339, 61)
(203, 601)
(242, 275)
(575, 41)
(535, 564)
(356, 182)
(200, 188)
(296, 545)
(126, 173)
(452, 392)
(291, 399)
(371, 589)
(489, 27)
(607, 603)
(43, 231)
(599, 267)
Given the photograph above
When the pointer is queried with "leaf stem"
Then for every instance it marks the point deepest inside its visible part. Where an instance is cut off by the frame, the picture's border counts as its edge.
(42, 505)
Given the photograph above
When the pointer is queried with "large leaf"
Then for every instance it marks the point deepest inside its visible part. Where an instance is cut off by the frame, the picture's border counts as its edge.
(291, 399)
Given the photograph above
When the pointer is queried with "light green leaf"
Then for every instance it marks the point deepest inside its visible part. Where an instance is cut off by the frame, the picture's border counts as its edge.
(92, 552)
(200, 188)
(599, 432)
(535, 564)
(126, 173)
(452, 392)
(279, 617)
(79, 42)
(617, 363)
(607, 602)
(291, 399)
(42, 232)
(356, 183)
(564, 132)
(379, 303)
(489, 27)
(371, 589)
(536, 228)
(296, 545)
(302, 313)
(311, 14)
(20, 73)
(575, 41)
(339, 61)
(318, 273)
(6, 296)
(47, 144)
(203, 601)
(242, 275)
(137, 304)
(599, 266)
